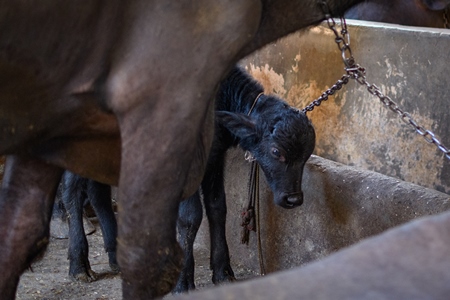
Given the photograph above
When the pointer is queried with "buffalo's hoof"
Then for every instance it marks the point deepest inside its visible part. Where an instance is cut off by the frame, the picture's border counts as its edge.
(112, 257)
(226, 275)
(86, 277)
(114, 267)
(226, 278)
(183, 286)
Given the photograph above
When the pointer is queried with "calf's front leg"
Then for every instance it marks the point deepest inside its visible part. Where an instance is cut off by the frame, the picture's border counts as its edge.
(100, 199)
(26, 201)
(216, 211)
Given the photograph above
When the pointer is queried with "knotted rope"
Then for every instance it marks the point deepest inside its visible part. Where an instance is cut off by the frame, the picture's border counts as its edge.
(250, 216)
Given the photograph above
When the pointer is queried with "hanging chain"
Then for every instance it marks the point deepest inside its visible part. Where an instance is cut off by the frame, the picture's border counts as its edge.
(358, 73)
(336, 87)
(343, 42)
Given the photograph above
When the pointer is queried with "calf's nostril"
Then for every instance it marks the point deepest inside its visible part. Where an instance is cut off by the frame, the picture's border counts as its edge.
(289, 200)
(294, 200)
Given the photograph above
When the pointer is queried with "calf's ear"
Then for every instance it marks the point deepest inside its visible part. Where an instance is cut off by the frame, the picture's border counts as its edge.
(239, 125)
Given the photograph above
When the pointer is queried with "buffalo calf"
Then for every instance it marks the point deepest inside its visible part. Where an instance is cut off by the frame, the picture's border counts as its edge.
(279, 137)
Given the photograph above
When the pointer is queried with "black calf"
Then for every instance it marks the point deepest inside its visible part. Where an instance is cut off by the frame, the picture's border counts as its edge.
(279, 137)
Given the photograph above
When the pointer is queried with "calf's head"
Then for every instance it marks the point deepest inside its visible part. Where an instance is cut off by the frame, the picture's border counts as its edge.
(281, 139)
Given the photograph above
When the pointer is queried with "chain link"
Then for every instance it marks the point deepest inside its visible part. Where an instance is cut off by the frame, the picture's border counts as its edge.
(358, 73)
(336, 87)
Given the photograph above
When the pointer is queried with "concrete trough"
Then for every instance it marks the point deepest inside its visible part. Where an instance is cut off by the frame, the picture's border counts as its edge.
(343, 204)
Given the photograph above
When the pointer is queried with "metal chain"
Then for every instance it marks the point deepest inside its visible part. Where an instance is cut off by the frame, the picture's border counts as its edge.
(358, 73)
(336, 87)
(343, 42)
(342, 39)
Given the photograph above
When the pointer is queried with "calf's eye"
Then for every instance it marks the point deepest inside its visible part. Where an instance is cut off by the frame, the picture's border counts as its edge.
(277, 154)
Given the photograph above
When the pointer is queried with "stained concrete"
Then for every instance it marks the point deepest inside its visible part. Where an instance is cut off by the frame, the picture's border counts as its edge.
(409, 64)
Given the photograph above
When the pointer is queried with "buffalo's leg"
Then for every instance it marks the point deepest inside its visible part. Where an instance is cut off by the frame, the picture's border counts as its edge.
(26, 201)
(156, 161)
(155, 164)
(100, 199)
(190, 216)
(73, 197)
(216, 211)
(150, 190)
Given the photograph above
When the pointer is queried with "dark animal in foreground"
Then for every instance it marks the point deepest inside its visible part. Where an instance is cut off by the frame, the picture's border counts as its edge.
(279, 137)
(424, 13)
(96, 86)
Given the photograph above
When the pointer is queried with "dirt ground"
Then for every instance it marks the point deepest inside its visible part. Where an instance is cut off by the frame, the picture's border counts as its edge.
(49, 278)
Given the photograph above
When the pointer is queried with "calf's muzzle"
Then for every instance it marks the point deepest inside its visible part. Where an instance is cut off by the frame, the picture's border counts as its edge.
(290, 200)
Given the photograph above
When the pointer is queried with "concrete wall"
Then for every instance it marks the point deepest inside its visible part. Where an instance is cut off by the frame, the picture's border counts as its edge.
(409, 64)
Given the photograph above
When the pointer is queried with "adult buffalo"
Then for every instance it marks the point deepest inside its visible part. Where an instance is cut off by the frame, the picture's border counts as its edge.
(119, 91)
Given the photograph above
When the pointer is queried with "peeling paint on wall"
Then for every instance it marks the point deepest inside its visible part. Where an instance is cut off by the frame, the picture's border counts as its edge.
(273, 82)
